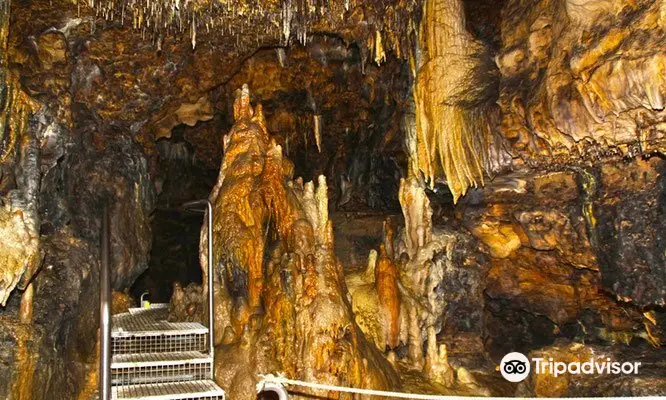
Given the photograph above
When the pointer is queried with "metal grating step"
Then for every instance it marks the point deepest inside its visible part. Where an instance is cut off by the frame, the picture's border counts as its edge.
(151, 322)
(202, 389)
(159, 343)
(129, 369)
(146, 330)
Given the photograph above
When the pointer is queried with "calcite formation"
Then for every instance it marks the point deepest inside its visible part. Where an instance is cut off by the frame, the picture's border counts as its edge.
(582, 79)
(386, 280)
(290, 316)
(453, 128)
(20, 253)
(399, 109)
(19, 221)
(552, 270)
(426, 271)
(418, 214)
(376, 302)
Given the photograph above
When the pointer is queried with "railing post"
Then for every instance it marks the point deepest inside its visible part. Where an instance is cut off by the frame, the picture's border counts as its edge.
(211, 333)
(196, 205)
(105, 312)
(276, 388)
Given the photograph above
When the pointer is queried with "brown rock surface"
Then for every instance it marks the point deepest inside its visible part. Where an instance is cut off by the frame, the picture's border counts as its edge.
(582, 80)
(307, 329)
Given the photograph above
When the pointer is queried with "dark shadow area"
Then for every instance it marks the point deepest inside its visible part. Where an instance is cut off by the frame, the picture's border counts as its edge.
(174, 255)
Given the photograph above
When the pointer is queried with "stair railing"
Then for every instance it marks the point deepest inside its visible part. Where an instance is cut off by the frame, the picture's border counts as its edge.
(104, 312)
(195, 205)
(105, 298)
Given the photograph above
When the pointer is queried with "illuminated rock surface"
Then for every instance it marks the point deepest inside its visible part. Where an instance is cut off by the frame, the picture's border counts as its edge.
(426, 186)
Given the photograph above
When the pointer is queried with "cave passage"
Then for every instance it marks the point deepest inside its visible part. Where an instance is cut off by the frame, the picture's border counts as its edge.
(404, 193)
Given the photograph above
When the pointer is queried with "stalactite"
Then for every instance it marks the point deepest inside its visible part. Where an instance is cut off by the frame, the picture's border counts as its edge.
(317, 131)
(450, 131)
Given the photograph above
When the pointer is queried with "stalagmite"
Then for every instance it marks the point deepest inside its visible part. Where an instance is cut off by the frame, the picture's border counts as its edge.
(415, 349)
(437, 366)
(417, 212)
(386, 280)
(295, 307)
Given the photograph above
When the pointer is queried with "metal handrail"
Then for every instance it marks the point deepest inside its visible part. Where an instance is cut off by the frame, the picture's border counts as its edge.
(105, 312)
(188, 206)
(105, 298)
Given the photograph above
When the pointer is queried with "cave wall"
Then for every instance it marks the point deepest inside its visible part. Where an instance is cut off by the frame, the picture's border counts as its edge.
(60, 165)
(581, 87)
(92, 94)
(358, 105)
(570, 213)
(578, 85)
(582, 80)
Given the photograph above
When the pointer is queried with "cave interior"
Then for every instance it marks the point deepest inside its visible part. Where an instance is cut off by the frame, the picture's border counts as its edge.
(404, 191)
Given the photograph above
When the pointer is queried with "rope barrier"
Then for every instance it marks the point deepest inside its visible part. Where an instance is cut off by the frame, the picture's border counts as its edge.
(275, 383)
(267, 379)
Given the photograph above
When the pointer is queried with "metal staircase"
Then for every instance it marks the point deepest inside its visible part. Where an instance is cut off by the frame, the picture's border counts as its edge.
(145, 357)
(153, 358)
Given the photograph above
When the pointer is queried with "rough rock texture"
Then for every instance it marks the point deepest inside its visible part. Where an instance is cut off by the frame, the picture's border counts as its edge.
(582, 80)
(19, 220)
(327, 81)
(59, 165)
(306, 329)
(630, 234)
(174, 255)
(155, 81)
(551, 282)
(121, 101)
(439, 280)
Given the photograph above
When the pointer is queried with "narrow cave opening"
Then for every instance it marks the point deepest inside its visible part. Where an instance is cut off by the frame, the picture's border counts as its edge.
(174, 256)
(412, 190)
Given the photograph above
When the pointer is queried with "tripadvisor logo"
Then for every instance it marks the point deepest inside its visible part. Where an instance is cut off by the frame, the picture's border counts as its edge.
(515, 367)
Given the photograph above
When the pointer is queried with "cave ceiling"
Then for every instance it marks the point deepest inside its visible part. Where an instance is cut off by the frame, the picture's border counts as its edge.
(147, 67)
(488, 175)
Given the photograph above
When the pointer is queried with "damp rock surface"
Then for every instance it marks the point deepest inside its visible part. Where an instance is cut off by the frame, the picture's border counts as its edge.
(404, 191)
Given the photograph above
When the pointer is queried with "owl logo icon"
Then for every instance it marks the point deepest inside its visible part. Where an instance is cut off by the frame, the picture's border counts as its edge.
(515, 367)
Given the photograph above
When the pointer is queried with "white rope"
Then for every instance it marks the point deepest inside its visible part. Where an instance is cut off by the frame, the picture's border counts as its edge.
(282, 380)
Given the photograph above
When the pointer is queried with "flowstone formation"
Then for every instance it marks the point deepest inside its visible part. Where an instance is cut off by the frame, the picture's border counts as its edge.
(292, 314)
(19, 220)
(581, 89)
(582, 79)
